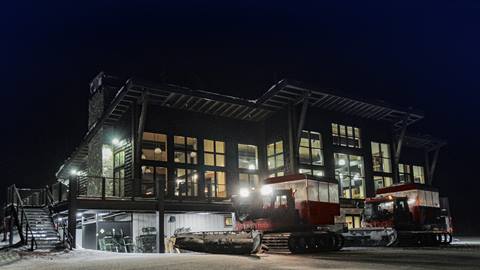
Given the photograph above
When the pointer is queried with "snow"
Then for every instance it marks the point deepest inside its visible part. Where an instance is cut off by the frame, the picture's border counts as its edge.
(466, 257)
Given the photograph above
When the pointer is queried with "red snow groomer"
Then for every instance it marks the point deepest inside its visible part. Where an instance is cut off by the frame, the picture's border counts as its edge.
(295, 213)
(290, 213)
(405, 215)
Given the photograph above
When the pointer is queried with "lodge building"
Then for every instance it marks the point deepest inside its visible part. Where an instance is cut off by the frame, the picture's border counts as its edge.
(159, 157)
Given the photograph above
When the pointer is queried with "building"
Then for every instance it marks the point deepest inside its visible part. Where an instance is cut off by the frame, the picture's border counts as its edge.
(159, 157)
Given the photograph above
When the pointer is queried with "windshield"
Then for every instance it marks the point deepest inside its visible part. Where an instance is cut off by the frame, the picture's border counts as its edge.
(378, 210)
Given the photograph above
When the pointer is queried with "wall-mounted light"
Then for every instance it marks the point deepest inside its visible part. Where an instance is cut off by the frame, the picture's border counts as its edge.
(116, 141)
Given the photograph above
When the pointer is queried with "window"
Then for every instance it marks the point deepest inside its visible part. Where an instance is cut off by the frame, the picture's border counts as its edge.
(404, 173)
(275, 155)
(150, 175)
(353, 221)
(277, 174)
(248, 180)
(154, 146)
(247, 157)
(318, 173)
(382, 181)
(214, 153)
(186, 183)
(310, 150)
(215, 184)
(349, 172)
(418, 174)
(381, 157)
(346, 136)
(228, 221)
(118, 174)
(185, 149)
(322, 192)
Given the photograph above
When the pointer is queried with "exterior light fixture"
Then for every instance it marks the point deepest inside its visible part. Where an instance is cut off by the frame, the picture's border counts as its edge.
(116, 141)
(73, 172)
(251, 167)
(266, 190)
(79, 214)
(244, 192)
(341, 162)
(157, 150)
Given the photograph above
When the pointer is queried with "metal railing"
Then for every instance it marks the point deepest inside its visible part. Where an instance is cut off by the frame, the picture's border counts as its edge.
(17, 204)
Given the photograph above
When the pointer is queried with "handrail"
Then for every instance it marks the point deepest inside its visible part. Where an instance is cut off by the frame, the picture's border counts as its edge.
(24, 217)
(50, 203)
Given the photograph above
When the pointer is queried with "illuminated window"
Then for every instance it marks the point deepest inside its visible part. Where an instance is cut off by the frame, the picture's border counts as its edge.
(248, 180)
(310, 149)
(185, 150)
(353, 221)
(151, 174)
(346, 136)
(404, 173)
(186, 183)
(154, 146)
(214, 153)
(118, 183)
(381, 157)
(382, 181)
(247, 156)
(349, 172)
(275, 159)
(418, 174)
(318, 173)
(215, 184)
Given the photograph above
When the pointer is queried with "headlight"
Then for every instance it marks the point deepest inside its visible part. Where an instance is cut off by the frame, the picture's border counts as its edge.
(266, 190)
(244, 192)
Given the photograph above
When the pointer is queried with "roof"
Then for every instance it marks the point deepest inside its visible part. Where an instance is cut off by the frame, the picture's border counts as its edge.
(279, 96)
(422, 141)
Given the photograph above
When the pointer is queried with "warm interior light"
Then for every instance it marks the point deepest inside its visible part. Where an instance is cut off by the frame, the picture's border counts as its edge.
(341, 162)
(251, 167)
(244, 192)
(266, 190)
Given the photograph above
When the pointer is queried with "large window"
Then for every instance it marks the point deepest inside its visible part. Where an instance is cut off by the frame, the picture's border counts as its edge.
(186, 182)
(150, 175)
(418, 174)
(381, 157)
(310, 150)
(275, 159)
(318, 173)
(404, 173)
(185, 150)
(382, 181)
(346, 136)
(349, 172)
(154, 146)
(247, 156)
(248, 180)
(116, 187)
(215, 184)
(214, 153)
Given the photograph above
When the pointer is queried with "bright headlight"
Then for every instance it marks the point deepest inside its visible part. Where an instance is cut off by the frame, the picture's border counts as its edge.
(266, 190)
(244, 192)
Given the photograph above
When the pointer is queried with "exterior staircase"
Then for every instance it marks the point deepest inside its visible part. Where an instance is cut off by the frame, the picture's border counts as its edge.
(42, 228)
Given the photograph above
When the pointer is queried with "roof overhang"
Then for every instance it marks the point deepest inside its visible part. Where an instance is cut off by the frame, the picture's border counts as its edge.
(291, 92)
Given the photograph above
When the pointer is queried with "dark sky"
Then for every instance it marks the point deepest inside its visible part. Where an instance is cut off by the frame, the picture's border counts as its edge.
(425, 56)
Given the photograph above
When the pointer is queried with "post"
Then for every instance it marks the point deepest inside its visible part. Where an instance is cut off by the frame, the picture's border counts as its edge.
(138, 143)
(103, 188)
(72, 210)
(10, 229)
(160, 187)
(292, 168)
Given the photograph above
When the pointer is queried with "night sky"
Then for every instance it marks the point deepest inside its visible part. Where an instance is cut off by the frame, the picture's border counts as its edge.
(427, 57)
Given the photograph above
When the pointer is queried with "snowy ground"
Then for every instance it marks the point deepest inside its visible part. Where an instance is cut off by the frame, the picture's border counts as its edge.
(464, 256)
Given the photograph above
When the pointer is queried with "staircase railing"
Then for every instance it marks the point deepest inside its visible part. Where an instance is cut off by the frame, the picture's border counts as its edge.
(19, 209)
(67, 238)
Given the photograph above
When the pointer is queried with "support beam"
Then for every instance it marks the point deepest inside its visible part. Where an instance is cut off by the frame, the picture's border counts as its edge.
(398, 149)
(301, 121)
(432, 166)
(292, 166)
(160, 196)
(72, 210)
(138, 142)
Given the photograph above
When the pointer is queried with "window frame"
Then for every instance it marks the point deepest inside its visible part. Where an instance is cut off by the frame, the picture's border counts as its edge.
(216, 184)
(355, 135)
(215, 153)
